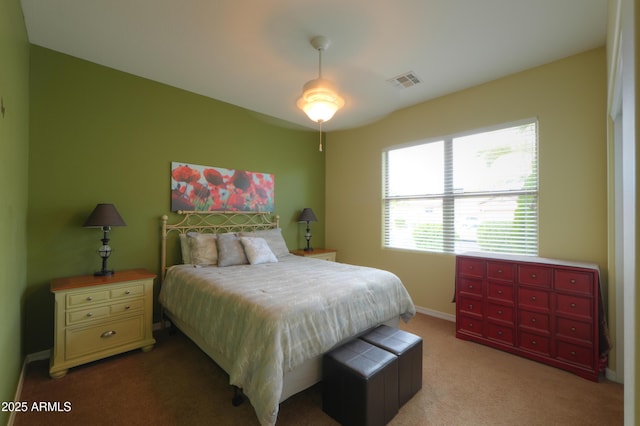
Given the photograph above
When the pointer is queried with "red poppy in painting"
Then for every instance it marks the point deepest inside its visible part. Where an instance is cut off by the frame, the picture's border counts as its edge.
(213, 177)
(185, 174)
(199, 191)
(241, 180)
(179, 202)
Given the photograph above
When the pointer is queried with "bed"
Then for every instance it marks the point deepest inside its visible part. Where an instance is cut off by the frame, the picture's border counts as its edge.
(236, 288)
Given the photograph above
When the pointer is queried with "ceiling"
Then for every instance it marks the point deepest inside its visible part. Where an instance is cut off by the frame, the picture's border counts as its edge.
(256, 53)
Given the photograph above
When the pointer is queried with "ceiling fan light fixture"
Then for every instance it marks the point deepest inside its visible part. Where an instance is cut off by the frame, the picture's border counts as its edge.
(320, 99)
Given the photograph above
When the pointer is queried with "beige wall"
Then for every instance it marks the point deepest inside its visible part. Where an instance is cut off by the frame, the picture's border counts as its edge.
(568, 97)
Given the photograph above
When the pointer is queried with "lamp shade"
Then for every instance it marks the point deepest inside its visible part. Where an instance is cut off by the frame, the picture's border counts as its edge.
(319, 100)
(104, 215)
(307, 215)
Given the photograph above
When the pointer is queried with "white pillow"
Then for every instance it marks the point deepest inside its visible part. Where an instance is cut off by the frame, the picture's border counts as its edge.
(257, 250)
(230, 250)
(184, 248)
(202, 248)
(273, 237)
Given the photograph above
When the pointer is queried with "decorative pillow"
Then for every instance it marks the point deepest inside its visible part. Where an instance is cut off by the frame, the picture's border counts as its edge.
(184, 248)
(274, 239)
(257, 250)
(230, 251)
(202, 248)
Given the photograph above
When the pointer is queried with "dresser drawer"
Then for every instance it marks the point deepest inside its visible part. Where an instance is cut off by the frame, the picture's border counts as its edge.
(574, 281)
(129, 291)
(86, 340)
(501, 333)
(88, 314)
(470, 306)
(529, 298)
(574, 329)
(575, 354)
(500, 292)
(470, 267)
(534, 320)
(581, 307)
(468, 285)
(129, 306)
(534, 275)
(535, 343)
(469, 325)
(86, 298)
(500, 271)
(500, 312)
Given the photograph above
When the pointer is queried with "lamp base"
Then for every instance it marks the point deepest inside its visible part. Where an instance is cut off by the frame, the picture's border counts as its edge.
(103, 273)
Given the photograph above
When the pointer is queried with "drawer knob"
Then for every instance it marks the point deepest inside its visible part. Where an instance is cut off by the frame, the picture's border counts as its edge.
(89, 314)
(533, 320)
(89, 298)
(108, 334)
(470, 306)
(533, 276)
(499, 332)
(470, 325)
(127, 307)
(500, 312)
(573, 329)
(533, 298)
(573, 305)
(533, 343)
(499, 291)
(572, 281)
(573, 353)
(499, 271)
(127, 292)
(470, 286)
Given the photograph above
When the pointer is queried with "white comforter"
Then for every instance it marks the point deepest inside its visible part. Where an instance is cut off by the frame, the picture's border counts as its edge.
(270, 318)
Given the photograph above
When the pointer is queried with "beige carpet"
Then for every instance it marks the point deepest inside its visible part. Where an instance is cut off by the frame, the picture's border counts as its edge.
(463, 384)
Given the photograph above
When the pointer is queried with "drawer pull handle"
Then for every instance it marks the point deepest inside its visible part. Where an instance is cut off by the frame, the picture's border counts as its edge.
(127, 292)
(573, 305)
(573, 329)
(499, 291)
(533, 298)
(89, 314)
(573, 353)
(500, 333)
(533, 276)
(127, 307)
(470, 325)
(533, 343)
(470, 286)
(470, 306)
(89, 298)
(500, 312)
(533, 320)
(108, 334)
(499, 271)
(572, 281)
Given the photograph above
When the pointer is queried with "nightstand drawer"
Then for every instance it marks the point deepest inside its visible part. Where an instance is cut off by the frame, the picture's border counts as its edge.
(131, 306)
(103, 336)
(79, 299)
(129, 291)
(87, 314)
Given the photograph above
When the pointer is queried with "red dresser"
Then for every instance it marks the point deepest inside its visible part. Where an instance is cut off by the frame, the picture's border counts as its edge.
(543, 309)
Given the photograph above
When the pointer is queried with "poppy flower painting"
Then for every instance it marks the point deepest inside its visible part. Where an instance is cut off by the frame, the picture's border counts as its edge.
(205, 188)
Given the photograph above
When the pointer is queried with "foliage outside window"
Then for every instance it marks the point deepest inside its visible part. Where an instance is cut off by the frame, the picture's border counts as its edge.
(473, 192)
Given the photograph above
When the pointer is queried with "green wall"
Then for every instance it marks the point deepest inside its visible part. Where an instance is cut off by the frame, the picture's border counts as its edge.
(14, 151)
(101, 135)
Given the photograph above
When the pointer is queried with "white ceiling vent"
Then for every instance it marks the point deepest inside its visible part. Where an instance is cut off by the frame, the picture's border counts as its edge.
(405, 80)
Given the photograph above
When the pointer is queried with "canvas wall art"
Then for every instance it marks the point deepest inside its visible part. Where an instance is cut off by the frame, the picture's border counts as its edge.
(206, 188)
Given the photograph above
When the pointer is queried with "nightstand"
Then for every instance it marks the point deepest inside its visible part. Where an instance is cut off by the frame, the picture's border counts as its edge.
(96, 317)
(318, 253)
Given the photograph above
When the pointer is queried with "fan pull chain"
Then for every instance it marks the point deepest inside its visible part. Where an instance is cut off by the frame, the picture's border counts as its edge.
(320, 122)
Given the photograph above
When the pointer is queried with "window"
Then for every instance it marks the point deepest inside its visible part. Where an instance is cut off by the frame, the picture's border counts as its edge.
(474, 192)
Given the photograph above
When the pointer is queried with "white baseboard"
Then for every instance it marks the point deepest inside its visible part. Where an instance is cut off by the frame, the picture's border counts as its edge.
(437, 314)
(29, 358)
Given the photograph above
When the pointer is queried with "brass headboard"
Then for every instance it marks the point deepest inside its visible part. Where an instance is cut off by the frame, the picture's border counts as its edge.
(214, 223)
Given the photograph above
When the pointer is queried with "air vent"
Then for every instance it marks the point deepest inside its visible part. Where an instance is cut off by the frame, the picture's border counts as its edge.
(405, 80)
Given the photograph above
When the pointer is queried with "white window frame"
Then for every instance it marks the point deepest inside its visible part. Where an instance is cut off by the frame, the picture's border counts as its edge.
(449, 196)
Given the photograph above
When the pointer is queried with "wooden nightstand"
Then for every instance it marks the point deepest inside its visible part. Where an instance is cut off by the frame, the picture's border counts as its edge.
(318, 253)
(96, 317)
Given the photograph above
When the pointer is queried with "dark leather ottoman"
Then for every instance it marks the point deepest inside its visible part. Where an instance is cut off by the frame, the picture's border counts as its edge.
(360, 384)
(408, 348)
